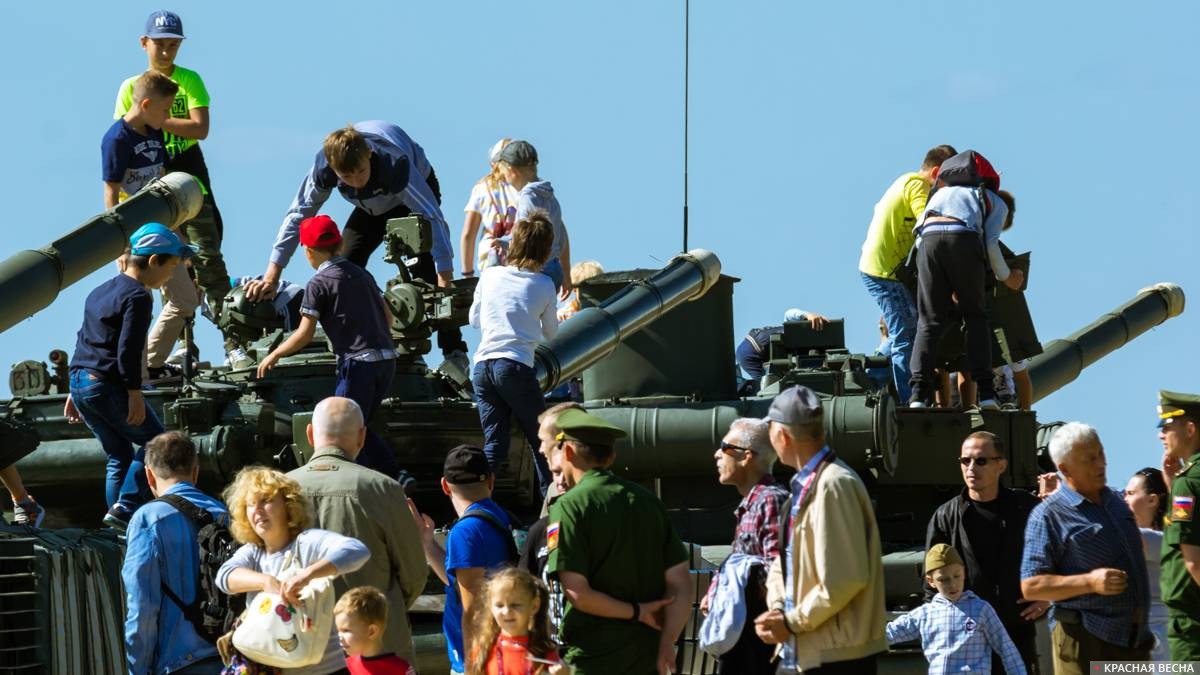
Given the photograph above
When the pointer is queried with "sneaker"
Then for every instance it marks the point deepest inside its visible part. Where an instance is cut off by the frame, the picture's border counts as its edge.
(238, 358)
(28, 512)
(918, 404)
(460, 360)
(118, 518)
(989, 404)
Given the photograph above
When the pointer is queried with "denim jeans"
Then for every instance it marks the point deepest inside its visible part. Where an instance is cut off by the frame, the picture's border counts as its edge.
(503, 389)
(104, 406)
(367, 383)
(900, 317)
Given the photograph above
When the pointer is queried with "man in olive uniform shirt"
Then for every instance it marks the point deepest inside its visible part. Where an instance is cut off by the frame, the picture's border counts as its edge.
(1179, 415)
(623, 568)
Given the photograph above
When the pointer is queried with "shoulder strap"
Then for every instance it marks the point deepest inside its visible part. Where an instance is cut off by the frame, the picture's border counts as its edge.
(488, 517)
(200, 517)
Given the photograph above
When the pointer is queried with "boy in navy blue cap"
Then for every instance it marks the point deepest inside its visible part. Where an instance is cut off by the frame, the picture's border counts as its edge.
(347, 302)
(106, 368)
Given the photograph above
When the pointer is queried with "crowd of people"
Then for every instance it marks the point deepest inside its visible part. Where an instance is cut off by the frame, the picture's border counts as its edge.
(601, 583)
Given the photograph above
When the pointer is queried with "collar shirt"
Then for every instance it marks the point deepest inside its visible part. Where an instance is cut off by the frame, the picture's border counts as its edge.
(957, 636)
(1068, 535)
(758, 519)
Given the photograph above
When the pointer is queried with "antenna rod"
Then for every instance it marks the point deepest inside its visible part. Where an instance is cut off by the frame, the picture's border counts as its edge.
(686, 26)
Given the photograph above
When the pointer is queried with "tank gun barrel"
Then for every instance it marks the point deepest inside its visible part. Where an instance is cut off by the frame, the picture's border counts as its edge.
(31, 280)
(594, 332)
(1063, 360)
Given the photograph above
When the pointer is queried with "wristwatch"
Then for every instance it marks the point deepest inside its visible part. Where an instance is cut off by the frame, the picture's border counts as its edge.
(637, 612)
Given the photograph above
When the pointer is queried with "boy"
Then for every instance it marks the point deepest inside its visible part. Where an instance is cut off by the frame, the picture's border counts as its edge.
(889, 239)
(518, 163)
(361, 615)
(347, 302)
(958, 631)
(186, 126)
(106, 368)
(385, 174)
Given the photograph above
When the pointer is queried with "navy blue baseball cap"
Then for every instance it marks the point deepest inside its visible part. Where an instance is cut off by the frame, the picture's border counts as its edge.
(164, 24)
(153, 238)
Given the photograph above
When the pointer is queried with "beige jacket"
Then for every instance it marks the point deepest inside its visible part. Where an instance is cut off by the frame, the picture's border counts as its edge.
(358, 502)
(836, 574)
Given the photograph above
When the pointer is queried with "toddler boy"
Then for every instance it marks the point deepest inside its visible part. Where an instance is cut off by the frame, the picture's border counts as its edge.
(347, 302)
(958, 630)
(361, 617)
(519, 165)
(106, 368)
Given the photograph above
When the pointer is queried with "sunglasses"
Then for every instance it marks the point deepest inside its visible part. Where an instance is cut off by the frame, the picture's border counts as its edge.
(979, 461)
(734, 450)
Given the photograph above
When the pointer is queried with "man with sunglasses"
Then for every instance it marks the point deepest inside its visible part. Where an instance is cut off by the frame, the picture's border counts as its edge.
(744, 460)
(1179, 416)
(986, 523)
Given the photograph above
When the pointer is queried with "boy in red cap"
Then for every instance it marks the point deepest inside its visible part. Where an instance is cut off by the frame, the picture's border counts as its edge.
(347, 302)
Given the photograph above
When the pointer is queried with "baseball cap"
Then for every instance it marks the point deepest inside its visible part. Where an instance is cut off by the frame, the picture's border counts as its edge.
(798, 405)
(164, 24)
(939, 556)
(153, 238)
(577, 425)
(519, 153)
(494, 153)
(465, 465)
(319, 232)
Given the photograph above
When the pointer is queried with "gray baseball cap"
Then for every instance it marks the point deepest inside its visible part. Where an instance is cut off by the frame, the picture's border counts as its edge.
(798, 405)
(519, 153)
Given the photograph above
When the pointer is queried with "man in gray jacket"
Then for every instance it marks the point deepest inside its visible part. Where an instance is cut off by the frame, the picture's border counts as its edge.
(362, 503)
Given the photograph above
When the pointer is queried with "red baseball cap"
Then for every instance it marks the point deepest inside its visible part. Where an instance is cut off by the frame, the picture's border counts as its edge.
(319, 232)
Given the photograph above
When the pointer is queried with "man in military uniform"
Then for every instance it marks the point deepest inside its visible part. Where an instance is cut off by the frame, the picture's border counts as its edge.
(1179, 417)
(623, 568)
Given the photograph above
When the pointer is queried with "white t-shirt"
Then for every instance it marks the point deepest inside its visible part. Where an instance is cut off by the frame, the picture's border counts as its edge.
(491, 205)
(513, 309)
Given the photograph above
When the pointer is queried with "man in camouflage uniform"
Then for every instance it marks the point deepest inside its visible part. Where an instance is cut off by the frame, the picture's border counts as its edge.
(1179, 417)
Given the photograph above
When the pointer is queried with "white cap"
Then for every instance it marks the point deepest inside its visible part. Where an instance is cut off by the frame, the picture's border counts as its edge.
(494, 153)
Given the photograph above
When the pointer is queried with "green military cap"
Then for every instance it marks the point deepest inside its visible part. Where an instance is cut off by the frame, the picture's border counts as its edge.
(939, 556)
(1172, 404)
(577, 425)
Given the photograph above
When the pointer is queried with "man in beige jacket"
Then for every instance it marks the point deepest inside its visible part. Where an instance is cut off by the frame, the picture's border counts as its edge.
(826, 591)
(362, 503)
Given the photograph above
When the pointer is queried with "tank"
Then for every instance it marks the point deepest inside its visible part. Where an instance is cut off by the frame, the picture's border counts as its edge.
(654, 349)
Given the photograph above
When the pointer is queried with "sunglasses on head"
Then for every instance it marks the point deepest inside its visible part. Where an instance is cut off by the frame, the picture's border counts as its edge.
(979, 461)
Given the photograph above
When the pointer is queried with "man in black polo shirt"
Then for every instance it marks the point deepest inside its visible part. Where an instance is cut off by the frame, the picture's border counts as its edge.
(986, 523)
(347, 302)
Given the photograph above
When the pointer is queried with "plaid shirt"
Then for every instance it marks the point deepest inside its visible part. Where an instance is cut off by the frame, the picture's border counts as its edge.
(958, 636)
(758, 519)
(1067, 535)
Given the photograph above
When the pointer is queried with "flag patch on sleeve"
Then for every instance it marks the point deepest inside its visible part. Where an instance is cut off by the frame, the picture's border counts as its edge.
(1181, 509)
(552, 536)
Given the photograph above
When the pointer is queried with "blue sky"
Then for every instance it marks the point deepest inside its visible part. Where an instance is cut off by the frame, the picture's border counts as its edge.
(801, 115)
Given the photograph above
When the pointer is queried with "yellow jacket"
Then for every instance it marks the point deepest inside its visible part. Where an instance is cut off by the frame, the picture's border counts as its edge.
(836, 570)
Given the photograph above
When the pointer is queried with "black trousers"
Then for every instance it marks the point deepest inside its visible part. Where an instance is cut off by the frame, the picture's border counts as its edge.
(864, 666)
(750, 655)
(364, 233)
(951, 265)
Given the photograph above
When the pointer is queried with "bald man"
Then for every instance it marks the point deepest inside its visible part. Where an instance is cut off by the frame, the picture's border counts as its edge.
(362, 503)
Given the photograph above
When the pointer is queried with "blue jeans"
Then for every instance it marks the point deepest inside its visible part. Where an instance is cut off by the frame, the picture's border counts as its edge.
(367, 383)
(104, 406)
(505, 388)
(900, 315)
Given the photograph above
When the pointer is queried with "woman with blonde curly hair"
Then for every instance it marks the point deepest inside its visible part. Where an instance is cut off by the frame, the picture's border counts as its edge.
(271, 518)
(492, 204)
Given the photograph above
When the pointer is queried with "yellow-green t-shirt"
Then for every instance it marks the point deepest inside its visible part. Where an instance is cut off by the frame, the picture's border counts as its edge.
(890, 235)
(192, 94)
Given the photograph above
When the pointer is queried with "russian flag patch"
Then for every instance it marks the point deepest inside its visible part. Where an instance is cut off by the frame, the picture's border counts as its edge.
(1181, 509)
(552, 536)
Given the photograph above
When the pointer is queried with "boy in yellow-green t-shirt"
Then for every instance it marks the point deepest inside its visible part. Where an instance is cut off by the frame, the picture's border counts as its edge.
(187, 126)
(889, 239)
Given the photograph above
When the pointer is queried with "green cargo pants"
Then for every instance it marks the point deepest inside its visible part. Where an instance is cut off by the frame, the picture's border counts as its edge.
(1183, 636)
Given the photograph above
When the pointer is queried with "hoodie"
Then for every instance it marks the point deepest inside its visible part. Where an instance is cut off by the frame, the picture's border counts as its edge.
(540, 195)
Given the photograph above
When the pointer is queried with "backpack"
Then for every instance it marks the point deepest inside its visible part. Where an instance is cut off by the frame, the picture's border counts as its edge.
(213, 611)
(514, 533)
(969, 169)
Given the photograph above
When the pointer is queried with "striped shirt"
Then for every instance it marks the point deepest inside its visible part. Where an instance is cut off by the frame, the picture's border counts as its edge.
(958, 636)
(1068, 535)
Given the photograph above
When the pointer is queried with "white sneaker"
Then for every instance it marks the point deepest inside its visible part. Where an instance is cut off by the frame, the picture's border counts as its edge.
(459, 359)
(917, 404)
(989, 404)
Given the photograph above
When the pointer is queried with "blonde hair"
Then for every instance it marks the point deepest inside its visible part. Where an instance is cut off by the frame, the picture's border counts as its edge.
(267, 484)
(346, 150)
(584, 270)
(153, 85)
(487, 631)
(365, 602)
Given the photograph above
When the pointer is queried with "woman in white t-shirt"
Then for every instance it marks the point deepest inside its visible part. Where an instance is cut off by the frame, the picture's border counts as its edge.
(1147, 496)
(492, 204)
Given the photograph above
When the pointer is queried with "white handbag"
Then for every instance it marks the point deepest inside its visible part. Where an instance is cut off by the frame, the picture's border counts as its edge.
(275, 633)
